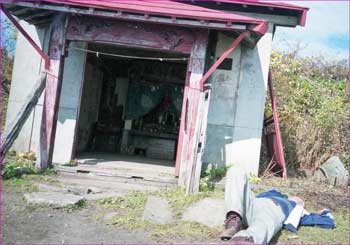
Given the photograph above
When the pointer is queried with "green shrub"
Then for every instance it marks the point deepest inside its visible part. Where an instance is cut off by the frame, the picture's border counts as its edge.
(313, 108)
(212, 174)
(23, 164)
(10, 171)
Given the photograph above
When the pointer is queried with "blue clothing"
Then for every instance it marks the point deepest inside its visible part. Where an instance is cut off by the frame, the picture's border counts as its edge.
(323, 220)
(281, 199)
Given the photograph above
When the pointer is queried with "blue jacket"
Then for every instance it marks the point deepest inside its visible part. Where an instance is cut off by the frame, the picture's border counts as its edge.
(323, 220)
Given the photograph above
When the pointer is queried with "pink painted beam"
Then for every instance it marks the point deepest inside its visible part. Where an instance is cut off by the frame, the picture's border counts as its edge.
(279, 154)
(26, 35)
(222, 58)
(142, 35)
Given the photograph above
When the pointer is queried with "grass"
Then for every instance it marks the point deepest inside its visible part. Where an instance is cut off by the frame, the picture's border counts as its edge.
(129, 212)
(26, 183)
(317, 195)
(314, 235)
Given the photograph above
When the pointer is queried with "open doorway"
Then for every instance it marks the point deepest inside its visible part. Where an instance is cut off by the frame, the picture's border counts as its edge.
(130, 108)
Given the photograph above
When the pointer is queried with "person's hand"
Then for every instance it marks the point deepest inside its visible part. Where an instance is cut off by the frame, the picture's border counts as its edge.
(324, 210)
(297, 200)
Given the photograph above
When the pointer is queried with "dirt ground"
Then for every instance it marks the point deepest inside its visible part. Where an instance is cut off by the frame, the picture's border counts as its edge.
(23, 223)
(32, 225)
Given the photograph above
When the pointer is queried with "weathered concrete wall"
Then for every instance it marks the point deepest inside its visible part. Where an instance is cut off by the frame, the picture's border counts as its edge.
(222, 106)
(26, 70)
(247, 134)
(73, 76)
(237, 106)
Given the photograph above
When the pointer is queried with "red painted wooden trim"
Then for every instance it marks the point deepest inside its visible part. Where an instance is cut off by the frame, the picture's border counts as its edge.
(182, 121)
(26, 35)
(303, 18)
(188, 140)
(142, 35)
(222, 57)
(278, 139)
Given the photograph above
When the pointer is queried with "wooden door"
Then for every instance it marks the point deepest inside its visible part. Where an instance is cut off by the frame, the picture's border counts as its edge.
(192, 108)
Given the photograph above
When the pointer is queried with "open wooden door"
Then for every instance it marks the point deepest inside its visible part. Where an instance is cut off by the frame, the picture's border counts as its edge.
(192, 113)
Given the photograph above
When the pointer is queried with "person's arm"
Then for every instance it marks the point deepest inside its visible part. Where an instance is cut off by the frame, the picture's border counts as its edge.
(297, 200)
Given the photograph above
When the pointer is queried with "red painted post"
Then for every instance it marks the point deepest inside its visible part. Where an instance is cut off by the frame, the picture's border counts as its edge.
(279, 155)
(223, 57)
(52, 92)
(188, 98)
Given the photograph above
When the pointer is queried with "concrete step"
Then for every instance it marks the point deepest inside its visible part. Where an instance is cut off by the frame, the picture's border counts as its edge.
(122, 174)
(112, 183)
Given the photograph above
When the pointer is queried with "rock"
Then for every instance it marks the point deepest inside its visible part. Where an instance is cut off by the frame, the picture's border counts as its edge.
(319, 176)
(56, 199)
(157, 210)
(108, 216)
(209, 212)
(24, 170)
(77, 190)
(335, 172)
(49, 188)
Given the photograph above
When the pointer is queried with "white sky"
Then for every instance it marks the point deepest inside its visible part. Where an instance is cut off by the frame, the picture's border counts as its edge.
(326, 32)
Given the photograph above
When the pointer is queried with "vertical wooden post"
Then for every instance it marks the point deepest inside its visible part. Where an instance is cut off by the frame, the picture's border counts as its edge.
(52, 92)
(189, 128)
(278, 146)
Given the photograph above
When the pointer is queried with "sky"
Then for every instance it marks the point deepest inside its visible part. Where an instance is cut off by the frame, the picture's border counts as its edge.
(326, 32)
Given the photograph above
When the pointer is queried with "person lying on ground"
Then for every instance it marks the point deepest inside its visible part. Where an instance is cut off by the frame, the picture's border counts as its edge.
(266, 214)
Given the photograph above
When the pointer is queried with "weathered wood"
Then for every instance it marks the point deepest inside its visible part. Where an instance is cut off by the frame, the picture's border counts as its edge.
(131, 34)
(189, 130)
(16, 125)
(134, 16)
(193, 185)
(52, 93)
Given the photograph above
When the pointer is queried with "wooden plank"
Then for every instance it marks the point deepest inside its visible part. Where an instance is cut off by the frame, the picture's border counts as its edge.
(191, 105)
(15, 127)
(52, 92)
(142, 35)
(193, 186)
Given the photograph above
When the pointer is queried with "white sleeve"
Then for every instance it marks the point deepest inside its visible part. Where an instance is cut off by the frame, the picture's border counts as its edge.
(294, 217)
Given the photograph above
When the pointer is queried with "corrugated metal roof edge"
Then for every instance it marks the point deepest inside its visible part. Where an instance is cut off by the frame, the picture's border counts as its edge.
(273, 4)
(260, 28)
